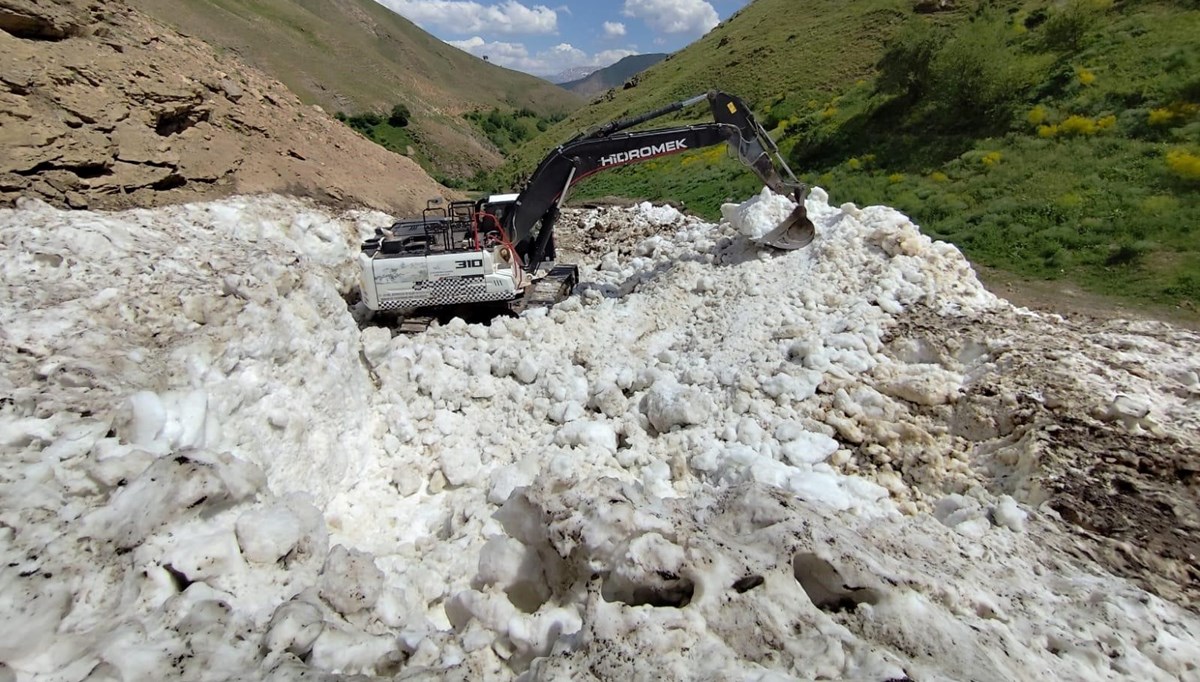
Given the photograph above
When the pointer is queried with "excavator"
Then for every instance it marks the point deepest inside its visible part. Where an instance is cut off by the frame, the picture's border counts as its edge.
(501, 248)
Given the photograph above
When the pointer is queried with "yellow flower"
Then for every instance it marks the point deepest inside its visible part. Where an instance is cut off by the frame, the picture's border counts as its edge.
(1184, 164)
(896, 177)
(854, 164)
(1037, 115)
(1085, 77)
(992, 158)
(1078, 125)
(938, 176)
(1106, 122)
(1047, 131)
(1161, 117)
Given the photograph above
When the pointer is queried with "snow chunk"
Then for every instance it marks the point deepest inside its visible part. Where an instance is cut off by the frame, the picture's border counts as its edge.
(668, 404)
(758, 216)
(1006, 513)
(164, 422)
(294, 627)
(460, 464)
(584, 433)
(808, 448)
(658, 215)
(265, 535)
(350, 581)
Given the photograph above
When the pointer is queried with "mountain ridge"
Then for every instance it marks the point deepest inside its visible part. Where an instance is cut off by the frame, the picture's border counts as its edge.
(358, 56)
(614, 75)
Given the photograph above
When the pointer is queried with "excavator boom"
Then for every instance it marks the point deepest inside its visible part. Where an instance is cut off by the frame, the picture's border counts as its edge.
(611, 145)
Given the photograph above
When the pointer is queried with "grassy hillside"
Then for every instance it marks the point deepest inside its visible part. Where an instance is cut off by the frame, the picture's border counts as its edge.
(356, 56)
(614, 76)
(1049, 139)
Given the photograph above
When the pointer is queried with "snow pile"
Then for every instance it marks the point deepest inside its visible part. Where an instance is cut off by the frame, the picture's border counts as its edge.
(758, 216)
(713, 458)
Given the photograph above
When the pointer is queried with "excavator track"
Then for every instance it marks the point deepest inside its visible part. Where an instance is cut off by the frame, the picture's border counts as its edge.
(555, 287)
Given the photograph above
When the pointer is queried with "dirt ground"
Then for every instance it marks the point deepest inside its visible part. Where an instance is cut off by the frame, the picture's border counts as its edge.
(1068, 300)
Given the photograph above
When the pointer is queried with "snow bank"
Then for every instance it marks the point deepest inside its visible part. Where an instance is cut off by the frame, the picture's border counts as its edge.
(714, 458)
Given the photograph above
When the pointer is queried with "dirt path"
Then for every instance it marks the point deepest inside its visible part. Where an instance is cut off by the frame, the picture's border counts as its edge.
(1068, 300)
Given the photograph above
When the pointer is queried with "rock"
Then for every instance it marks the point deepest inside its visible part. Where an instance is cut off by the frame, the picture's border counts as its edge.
(232, 91)
(931, 6)
(130, 113)
(41, 19)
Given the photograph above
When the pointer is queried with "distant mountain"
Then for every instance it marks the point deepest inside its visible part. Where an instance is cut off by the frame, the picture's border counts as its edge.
(357, 56)
(613, 76)
(572, 74)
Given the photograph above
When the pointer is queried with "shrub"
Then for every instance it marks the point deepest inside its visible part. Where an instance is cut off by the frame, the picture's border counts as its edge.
(977, 75)
(1037, 115)
(906, 66)
(1077, 125)
(1161, 117)
(399, 116)
(1184, 164)
(1068, 25)
(991, 159)
(363, 123)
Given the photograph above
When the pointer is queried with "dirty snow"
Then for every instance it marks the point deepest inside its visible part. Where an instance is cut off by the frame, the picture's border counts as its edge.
(714, 462)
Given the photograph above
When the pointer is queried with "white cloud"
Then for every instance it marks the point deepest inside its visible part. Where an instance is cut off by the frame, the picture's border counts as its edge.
(465, 16)
(689, 17)
(545, 63)
(613, 29)
(609, 57)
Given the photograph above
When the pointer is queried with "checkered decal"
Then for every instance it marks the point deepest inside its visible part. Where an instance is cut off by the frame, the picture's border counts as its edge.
(445, 292)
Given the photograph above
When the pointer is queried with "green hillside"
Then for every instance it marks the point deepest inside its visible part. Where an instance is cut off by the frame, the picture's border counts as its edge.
(355, 56)
(1048, 139)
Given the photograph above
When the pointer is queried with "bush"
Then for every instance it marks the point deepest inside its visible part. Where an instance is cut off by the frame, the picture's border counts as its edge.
(1067, 26)
(363, 123)
(906, 66)
(399, 116)
(976, 76)
(1184, 164)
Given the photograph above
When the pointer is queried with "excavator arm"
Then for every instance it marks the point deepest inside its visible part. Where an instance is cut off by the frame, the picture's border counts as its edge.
(531, 220)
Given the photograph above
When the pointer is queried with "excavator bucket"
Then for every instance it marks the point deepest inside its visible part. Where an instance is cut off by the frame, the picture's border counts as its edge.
(795, 232)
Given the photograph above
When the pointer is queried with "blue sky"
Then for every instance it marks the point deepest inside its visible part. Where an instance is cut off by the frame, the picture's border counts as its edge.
(547, 39)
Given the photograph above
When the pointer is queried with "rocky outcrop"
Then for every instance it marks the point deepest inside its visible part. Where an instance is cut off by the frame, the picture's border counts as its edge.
(101, 107)
(41, 19)
(932, 6)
